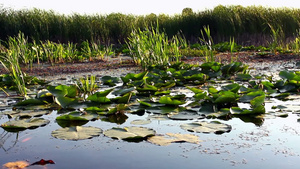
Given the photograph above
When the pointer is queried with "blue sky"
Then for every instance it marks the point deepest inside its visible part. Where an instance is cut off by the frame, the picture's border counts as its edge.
(137, 7)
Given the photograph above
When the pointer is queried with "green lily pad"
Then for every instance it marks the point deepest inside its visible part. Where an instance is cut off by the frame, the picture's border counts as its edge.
(185, 115)
(132, 77)
(19, 125)
(76, 133)
(63, 90)
(110, 81)
(249, 96)
(226, 97)
(169, 101)
(243, 77)
(65, 102)
(287, 75)
(173, 138)
(207, 127)
(134, 134)
(161, 110)
(121, 92)
(24, 114)
(77, 116)
(140, 122)
(159, 117)
(31, 102)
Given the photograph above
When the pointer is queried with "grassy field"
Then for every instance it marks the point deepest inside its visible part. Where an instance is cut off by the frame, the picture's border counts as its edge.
(248, 25)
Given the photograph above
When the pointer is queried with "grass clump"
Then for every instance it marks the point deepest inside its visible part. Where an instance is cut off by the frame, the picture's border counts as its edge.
(152, 47)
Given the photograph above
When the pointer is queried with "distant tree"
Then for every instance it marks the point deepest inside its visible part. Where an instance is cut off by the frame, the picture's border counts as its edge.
(187, 12)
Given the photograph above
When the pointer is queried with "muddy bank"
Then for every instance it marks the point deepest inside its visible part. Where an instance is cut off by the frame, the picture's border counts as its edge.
(119, 66)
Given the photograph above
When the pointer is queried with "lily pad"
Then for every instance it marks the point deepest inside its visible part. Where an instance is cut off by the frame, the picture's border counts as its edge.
(185, 115)
(27, 114)
(173, 138)
(207, 127)
(140, 122)
(65, 102)
(134, 134)
(76, 133)
(169, 101)
(19, 125)
(77, 116)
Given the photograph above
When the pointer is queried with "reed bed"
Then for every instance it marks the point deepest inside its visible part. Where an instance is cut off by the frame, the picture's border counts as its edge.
(248, 25)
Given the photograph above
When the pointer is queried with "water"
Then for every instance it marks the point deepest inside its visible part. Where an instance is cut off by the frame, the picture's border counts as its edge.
(274, 144)
(270, 143)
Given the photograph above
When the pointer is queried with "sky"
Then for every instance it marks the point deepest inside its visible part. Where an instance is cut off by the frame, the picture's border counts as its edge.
(136, 7)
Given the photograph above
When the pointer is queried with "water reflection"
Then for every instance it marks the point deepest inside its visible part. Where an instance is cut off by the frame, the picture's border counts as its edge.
(8, 137)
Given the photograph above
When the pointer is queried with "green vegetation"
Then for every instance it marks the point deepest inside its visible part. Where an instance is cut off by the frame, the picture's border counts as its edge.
(151, 47)
(248, 25)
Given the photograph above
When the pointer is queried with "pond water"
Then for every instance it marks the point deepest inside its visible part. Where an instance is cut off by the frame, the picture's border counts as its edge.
(273, 144)
(268, 142)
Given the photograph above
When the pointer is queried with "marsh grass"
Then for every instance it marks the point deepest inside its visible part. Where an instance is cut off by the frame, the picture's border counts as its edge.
(240, 22)
(87, 85)
(208, 42)
(153, 47)
(11, 63)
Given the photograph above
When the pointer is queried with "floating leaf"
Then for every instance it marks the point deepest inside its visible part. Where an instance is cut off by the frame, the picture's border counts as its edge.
(287, 75)
(234, 87)
(76, 133)
(184, 115)
(168, 101)
(65, 102)
(19, 125)
(207, 127)
(173, 138)
(63, 90)
(249, 96)
(100, 97)
(140, 122)
(111, 81)
(77, 116)
(31, 102)
(161, 110)
(226, 97)
(135, 134)
(121, 92)
(24, 114)
(243, 77)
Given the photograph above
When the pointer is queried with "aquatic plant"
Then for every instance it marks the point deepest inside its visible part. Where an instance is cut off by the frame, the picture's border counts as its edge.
(87, 85)
(152, 47)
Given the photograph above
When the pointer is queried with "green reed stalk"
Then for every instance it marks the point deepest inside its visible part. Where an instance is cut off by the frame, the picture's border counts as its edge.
(87, 85)
(208, 42)
(11, 63)
(232, 44)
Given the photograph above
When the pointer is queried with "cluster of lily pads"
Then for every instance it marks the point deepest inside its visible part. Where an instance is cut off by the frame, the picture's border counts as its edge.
(178, 92)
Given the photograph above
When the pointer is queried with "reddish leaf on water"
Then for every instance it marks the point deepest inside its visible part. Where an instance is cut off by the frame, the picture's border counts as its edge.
(43, 162)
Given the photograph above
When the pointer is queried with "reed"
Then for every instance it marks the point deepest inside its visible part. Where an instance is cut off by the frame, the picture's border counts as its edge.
(152, 47)
(87, 85)
(242, 23)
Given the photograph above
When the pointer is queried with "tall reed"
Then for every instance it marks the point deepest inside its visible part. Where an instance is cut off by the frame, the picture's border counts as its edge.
(249, 25)
(11, 63)
(152, 47)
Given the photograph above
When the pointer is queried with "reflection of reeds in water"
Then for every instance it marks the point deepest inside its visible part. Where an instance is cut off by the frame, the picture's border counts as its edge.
(5, 137)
